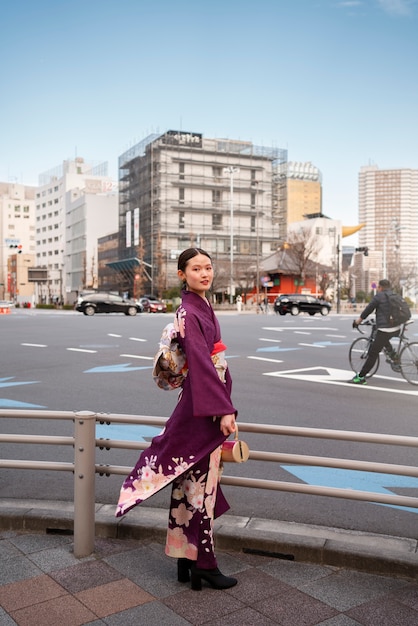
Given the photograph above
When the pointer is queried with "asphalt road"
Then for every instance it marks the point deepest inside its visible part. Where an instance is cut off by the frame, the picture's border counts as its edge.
(286, 370)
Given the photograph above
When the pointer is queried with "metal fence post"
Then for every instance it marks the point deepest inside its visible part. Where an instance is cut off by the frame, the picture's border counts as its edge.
(84, 482)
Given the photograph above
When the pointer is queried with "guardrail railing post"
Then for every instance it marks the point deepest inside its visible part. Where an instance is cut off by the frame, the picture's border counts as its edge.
(84, 482)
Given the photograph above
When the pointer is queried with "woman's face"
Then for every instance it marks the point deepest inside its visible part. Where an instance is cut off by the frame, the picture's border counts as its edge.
(198, 274)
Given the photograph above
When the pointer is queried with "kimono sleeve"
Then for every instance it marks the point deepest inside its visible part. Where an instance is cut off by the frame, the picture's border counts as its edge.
(209, 395)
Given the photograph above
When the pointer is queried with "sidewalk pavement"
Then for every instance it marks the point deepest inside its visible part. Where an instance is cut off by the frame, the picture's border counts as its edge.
(288, 574)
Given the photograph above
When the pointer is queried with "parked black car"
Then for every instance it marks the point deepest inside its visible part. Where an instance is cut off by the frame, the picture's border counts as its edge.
(296, 303)
(102, 302)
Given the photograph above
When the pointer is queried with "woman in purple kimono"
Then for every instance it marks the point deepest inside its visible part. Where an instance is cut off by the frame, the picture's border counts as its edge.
(188, 451)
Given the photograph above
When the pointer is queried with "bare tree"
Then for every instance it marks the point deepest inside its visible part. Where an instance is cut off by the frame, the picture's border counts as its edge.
(303, 248)
(402, 277)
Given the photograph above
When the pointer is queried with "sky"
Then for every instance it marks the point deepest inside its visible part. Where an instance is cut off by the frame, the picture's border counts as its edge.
(332, 81)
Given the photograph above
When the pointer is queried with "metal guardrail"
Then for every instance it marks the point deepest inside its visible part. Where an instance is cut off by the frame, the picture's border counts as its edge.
(84, 467)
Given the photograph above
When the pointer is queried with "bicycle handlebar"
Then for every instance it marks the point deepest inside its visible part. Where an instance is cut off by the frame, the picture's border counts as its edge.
(371, 322)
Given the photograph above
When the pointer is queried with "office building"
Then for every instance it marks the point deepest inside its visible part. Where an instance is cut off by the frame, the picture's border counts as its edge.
(76, 203)
(388, 207)
(180, 189)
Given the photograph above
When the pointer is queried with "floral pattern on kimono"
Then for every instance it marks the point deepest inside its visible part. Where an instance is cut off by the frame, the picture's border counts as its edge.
(192, 511)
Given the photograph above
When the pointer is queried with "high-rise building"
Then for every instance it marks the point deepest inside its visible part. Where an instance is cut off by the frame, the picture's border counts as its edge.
(388, 207)
(76, 203)
(179, 189)
(304, 191)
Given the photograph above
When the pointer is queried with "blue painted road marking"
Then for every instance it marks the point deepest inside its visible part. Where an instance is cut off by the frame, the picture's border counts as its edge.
(4, 383)
(127, 432)
(352, 479)
(121, 367)
(14, 404)
(5, 403)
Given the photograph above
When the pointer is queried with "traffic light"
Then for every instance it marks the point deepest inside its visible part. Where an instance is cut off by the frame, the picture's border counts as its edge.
(364, 250)
(19, 248)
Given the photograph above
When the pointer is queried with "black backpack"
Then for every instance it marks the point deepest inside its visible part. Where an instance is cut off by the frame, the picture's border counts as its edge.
(399, 311)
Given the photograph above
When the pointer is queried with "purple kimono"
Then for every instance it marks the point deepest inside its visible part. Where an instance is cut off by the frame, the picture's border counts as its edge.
(187, 452)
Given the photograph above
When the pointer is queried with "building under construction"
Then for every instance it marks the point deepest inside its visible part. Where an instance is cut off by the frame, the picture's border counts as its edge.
(178, 190)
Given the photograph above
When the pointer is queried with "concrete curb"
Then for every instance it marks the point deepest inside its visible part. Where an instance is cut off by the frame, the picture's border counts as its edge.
(378, 554)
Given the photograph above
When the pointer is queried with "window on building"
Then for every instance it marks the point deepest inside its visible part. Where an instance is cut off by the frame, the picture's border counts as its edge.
(181, 195)
(181, 219)
(253, 200)
(245, 246)
(253, 223)
(216, 220)
(217, 171)
(253, 174)
(216, 196)
(181, 171)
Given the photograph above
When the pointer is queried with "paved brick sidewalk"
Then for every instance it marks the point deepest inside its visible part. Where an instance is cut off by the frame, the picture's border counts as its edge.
(130, 581)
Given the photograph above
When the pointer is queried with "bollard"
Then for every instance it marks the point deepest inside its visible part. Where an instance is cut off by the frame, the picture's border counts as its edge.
(84, 482)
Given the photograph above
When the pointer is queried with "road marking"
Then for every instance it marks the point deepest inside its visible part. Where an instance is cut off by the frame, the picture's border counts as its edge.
(337, 336)
(287, 328)
(260, 358)
(113, 335)
(81, 350)
(35, 345)
(311, 345)
(270, 340)
(355, 480)
(14, 404)
(121, 367)
(274, 349)
(127, 432)
(4, 382)
(136, 339)
(137, 356)
(333, 376)
(332, 343)
(302, 332)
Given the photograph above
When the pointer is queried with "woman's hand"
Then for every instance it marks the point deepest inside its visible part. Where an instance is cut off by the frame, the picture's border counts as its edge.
(227, 424)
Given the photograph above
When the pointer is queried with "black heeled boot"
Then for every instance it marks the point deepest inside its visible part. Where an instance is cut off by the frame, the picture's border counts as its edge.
(214, 577)
(183, 569)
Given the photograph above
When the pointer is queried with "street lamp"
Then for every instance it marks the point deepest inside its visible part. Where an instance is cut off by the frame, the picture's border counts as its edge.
(231, 171)
(257, 260)
(394, 228)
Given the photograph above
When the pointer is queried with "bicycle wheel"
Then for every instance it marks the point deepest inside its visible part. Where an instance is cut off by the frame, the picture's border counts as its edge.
(409, 363)
(358, 354)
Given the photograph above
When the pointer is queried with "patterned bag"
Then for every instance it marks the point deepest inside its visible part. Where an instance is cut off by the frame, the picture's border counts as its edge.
(170, 365)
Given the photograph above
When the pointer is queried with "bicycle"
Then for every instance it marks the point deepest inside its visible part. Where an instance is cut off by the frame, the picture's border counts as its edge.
(404, 361)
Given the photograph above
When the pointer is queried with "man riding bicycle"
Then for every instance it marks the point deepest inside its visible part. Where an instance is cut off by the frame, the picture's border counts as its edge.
(380, 304)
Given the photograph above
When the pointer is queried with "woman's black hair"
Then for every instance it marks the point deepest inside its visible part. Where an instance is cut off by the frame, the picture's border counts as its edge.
(188, 254)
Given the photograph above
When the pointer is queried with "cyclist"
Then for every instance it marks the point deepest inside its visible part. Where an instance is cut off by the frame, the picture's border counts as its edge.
(379, 304)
